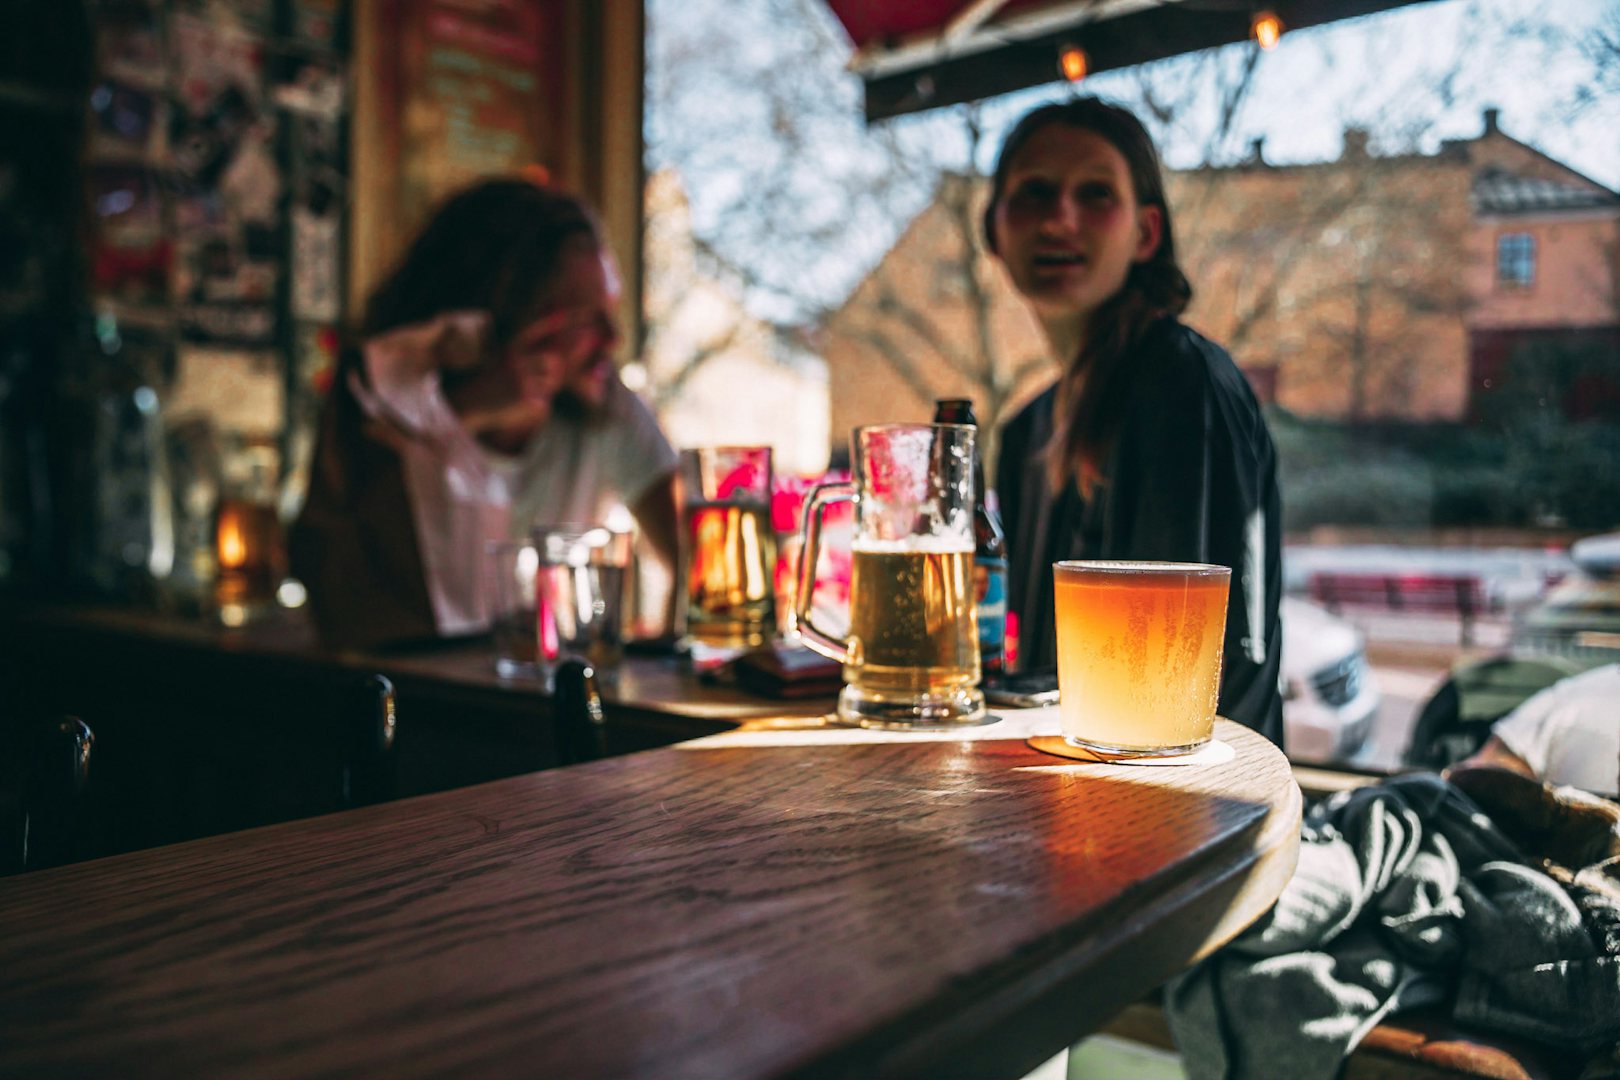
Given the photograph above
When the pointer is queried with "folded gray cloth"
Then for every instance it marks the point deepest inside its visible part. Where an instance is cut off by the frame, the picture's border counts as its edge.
(1406, 893)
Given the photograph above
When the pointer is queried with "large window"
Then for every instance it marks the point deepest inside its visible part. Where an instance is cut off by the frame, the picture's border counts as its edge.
(1349, 207)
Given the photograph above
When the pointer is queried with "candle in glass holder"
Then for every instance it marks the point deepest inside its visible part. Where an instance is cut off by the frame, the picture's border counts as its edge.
(248, 543)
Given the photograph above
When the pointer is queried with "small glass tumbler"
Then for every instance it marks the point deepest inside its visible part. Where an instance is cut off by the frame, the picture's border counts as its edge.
(1139, 654)
(581, 583)
(514, 615)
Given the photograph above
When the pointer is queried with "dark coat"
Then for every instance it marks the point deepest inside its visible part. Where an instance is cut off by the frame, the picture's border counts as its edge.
(1192, 478)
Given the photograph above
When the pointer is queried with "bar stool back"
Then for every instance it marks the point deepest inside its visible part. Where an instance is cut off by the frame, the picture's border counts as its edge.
(581, 726)
(49, 787)
(370, 772)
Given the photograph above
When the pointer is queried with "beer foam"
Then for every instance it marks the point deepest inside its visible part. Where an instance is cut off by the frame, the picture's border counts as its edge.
(928, 545)
(1129, 566)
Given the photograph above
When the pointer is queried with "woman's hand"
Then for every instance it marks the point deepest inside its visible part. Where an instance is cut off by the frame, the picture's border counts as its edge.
(503, 400)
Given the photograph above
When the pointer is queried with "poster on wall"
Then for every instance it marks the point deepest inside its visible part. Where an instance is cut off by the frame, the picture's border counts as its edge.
(316, 22)
(256, 16)
(126, 122)
(473, 74)
(130, 250)
(315, 259)
(227, 184)
(312, 103)
(129, 43)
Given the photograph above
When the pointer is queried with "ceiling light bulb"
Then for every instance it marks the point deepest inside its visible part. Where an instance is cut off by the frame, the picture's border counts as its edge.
(1073, 62)
(1266, 29)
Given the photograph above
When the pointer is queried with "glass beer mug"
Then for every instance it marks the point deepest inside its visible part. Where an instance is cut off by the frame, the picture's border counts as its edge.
(911, 659)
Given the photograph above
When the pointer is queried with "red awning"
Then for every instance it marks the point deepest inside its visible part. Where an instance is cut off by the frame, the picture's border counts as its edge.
(890, 21)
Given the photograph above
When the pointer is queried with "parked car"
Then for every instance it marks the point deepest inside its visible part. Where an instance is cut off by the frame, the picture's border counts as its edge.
(1572, 627)
(1330, 695)
(1578, 618)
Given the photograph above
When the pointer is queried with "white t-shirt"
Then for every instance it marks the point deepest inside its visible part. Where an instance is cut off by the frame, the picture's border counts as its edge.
(1569, 733)
(463, 496)
(457, 501)
(577, 471)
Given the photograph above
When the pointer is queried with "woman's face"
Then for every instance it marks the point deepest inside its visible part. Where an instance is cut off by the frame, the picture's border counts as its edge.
(1068, 227)
(565, 351)
(579, 331)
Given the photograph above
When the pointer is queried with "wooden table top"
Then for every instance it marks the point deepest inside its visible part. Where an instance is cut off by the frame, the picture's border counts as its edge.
(914, 907)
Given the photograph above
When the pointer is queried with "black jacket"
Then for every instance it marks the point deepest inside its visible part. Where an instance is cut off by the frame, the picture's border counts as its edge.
(1192, 478)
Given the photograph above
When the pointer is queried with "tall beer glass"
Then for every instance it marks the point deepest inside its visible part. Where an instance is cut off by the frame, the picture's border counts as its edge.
(728, 546)
(912, 655)
(1139, 654)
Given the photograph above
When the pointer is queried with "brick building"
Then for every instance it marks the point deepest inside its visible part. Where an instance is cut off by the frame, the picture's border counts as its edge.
(936, 318)
(1371, 287)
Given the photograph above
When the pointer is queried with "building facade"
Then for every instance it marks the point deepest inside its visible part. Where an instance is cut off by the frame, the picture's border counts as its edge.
(1370, 288)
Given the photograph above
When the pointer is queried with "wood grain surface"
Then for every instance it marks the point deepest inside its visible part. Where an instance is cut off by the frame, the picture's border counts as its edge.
(939, 908)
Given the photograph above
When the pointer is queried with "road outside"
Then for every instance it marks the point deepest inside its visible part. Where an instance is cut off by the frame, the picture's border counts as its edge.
(1404, 690)
(1411, 653)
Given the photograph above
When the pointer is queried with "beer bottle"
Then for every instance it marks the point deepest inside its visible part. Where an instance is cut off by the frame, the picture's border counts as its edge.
(989, 553)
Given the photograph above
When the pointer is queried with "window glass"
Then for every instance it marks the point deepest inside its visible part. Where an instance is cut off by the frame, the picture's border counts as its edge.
(1516, 260)
(1361, 211)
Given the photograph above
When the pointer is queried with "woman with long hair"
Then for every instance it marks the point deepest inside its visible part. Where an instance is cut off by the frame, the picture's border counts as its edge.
(1151, 444)
(482, 399)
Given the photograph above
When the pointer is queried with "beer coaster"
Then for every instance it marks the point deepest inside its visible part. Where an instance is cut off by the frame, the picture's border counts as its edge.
(1214, 752)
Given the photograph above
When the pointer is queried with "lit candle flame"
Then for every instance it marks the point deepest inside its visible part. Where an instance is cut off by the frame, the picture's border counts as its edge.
(232, 548)
(1074, 63)
(1267, 29)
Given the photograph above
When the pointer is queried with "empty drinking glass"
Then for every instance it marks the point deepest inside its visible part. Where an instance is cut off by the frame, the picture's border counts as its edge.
(581, 575)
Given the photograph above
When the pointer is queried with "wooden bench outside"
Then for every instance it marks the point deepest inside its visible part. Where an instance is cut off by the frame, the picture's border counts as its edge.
(1420, 1045)
(1462, 595)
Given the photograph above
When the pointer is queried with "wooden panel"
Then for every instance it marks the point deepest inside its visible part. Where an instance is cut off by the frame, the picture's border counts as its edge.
(908, 908)
(608, 134)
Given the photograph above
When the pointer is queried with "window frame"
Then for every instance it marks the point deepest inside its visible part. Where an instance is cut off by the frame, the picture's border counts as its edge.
(1515, 260)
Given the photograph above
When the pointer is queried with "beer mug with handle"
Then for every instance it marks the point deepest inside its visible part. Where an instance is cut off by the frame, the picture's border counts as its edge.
(911, 659)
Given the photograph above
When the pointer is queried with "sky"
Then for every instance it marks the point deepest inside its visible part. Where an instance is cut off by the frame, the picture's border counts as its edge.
(1413, 77)
(1514, 55)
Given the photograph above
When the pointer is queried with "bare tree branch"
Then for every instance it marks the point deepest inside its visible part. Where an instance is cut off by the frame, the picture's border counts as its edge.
(668, 390)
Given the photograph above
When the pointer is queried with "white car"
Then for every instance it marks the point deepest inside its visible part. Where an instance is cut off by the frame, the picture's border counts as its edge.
(1330, 695)
(1579, 618)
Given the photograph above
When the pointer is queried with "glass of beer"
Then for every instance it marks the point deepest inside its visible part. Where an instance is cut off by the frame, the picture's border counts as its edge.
(728, 546)
(1139, 654)
(911, 659)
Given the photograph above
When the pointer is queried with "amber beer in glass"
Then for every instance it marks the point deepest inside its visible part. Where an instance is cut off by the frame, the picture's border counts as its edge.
(250, 551)
(911, 624)
(1139, 654)
(911, 657)
(728, 546)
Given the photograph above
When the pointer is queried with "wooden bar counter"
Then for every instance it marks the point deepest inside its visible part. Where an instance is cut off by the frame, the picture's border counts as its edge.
(201, 729)
(838, 906)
